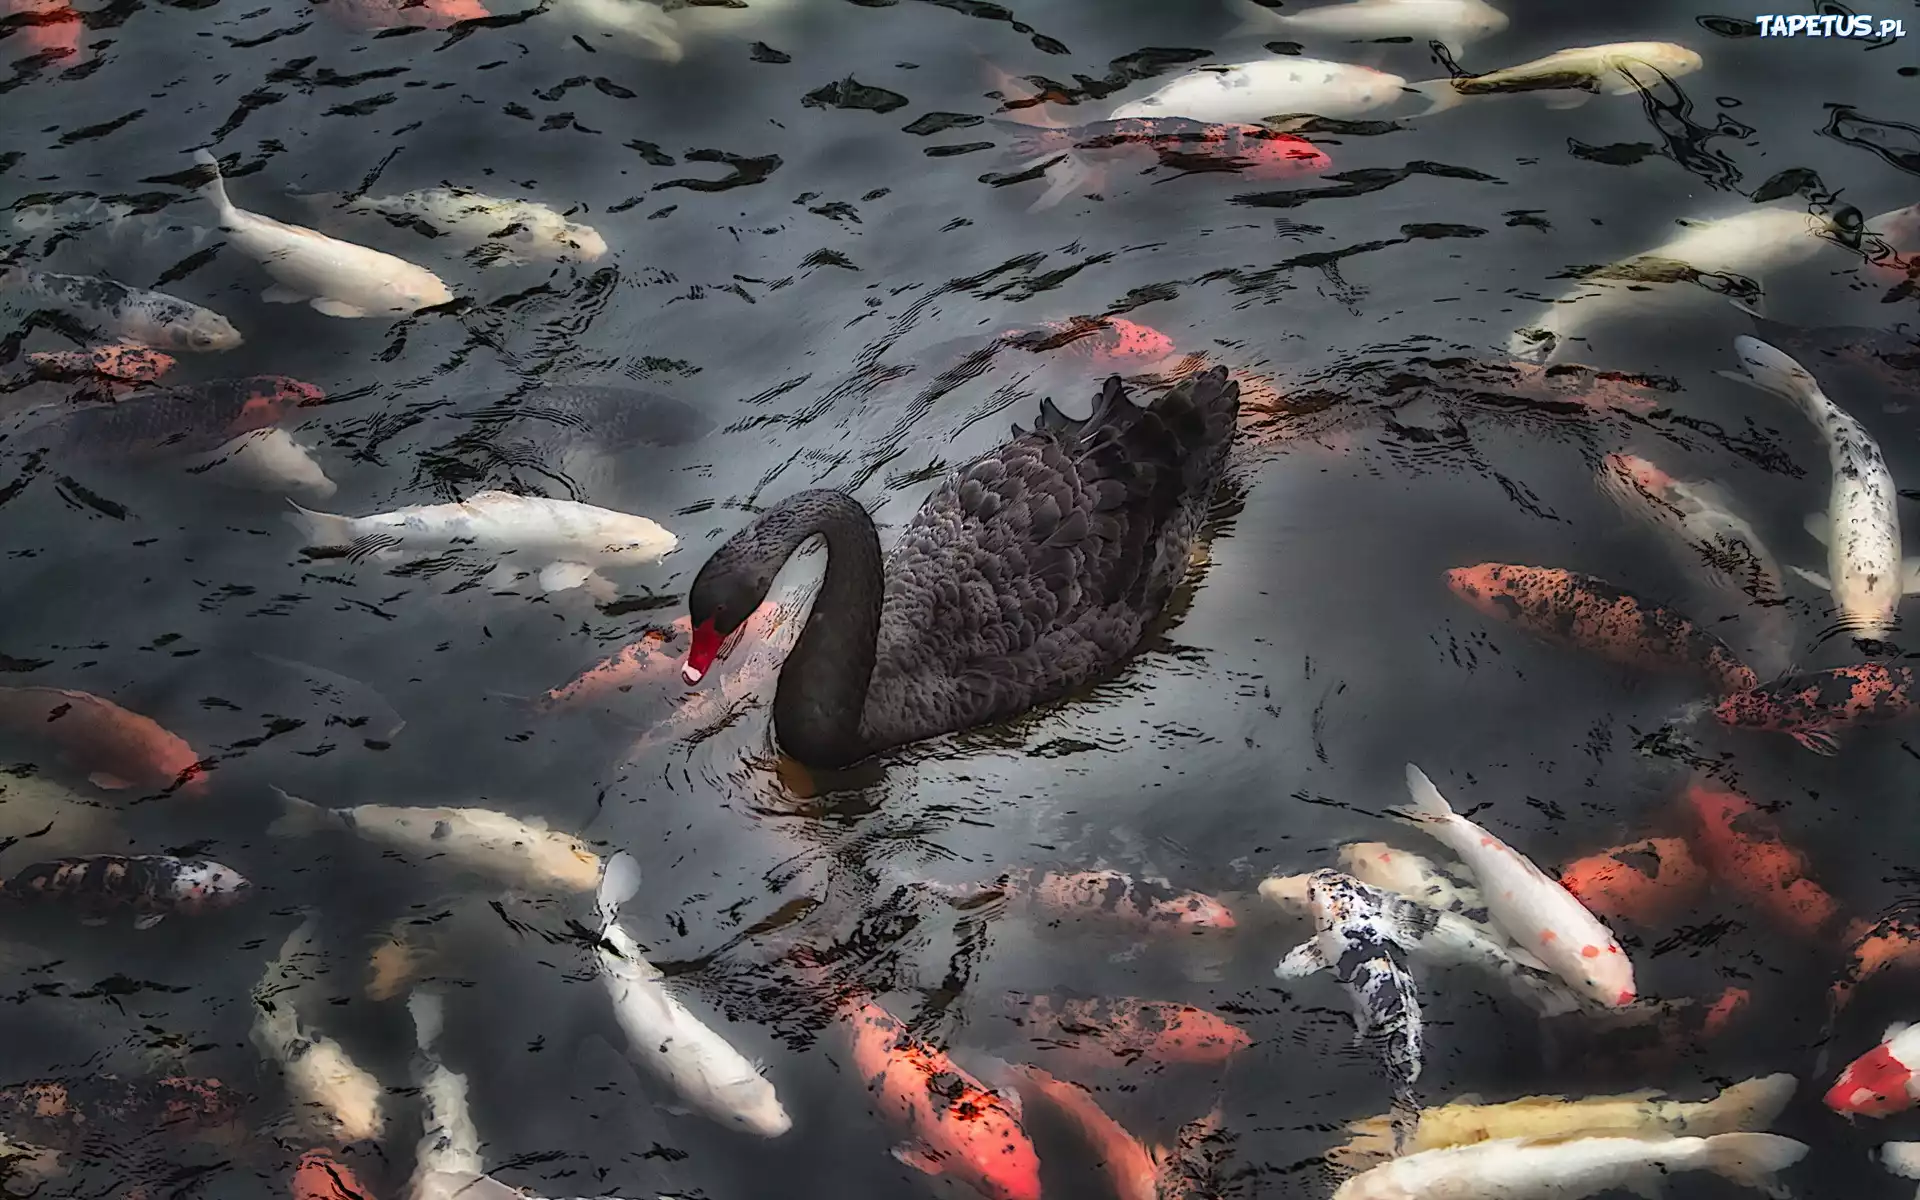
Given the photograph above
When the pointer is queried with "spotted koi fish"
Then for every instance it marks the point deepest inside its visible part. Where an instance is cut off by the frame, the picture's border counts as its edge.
(1749, 856)
(1893, 941)
(953, 1125)
(1809, 706)
(178, 420)
(61, 1110)
(1362, 936)
(1577, 610)
(1883, 1081)
(149, 885)
(113, 311)
(1179, 143)
(1109, 897)
(1101, 1032)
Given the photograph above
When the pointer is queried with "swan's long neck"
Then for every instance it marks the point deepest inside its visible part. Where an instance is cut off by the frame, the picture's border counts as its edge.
(822, 693)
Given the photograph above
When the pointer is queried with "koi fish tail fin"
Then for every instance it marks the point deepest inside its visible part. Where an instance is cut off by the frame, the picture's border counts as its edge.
(1771, 370)
(299, 817)
(215, 189)
(429, 1018)
(1440, 95)
(1404, 1118)
(1754, 1103)
(1428, 804)
(1012, 89)
(619, 880)
(1901, 1158)
(321, 529)
(1753, 1159)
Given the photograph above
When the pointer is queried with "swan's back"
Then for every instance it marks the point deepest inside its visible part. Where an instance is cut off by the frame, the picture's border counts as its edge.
(1034, 569)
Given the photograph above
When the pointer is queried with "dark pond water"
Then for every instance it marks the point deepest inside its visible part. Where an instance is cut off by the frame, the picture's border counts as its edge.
(815, 240)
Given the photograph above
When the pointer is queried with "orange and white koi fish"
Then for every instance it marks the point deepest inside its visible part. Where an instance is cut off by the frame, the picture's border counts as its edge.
(1643, 882)
(953, 1125)
(1808, 707)
(1572, 609)
(119, 749)
(1541, 915)
(1109, 342)
(633, 664)
(124, 363)
(1114, 1032)
(1129, 1167)
(1748, 856)
(48, 27)
(333, 1098)
(1883, 1081)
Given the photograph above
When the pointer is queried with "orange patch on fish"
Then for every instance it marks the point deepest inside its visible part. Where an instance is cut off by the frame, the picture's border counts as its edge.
(1721, 1013)
(1645, 882)
(1582, 611)
(637, 662)
(48, 27)
(1748, 855)
(321, 1175)
(119, 749)
(1106, 1033)
(1891, 942)
(118, 364)
(370, 15)
(1130, 1169)
(270, 399)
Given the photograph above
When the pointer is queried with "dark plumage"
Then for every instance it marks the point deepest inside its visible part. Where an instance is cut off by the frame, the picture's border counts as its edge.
(1028, 573)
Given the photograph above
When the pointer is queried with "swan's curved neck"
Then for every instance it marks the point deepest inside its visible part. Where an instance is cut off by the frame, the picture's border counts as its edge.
(822, 694)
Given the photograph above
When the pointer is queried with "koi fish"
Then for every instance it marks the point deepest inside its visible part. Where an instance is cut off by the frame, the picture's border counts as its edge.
(178, 420)
(1595, 390)
(1713, 544)
(1130, 1168)
(1260, 91)
(1861, 527)
(664, 1037)
(1901, 1159)
(1643, 882)
(1573, 76)
(124, 363)
(1542, 916)
(633, 664)
(1747, 854)
(1742, 1107)
(1454, 22)
(1110, 342)
(1115, 1032)
(1570, 609)
(1147, 905)
(1880, 1082)
(517, 231)
(519, 853)
(575, 537)
(447, 1163)
(1190, 1168)
(120, 749)
(1808, 706)
(28, 1163)
(64, 1112)
(339, 279)
(1087, 153)
(953, 1125)
(266, 460)
(334, 1099)
(1892, 941)
(1361, 935)
(149, 885)
(320, 1175)
(1415, 877)
(1517, 1169)
(1442, 938)
(113, 311)
(369, 15)
(1725, 255)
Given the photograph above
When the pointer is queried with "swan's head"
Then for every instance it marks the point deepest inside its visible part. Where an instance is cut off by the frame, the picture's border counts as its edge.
(725, 593)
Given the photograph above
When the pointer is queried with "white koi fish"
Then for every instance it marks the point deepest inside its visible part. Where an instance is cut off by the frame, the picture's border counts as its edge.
(447, 1163)
(1413, 876)
(1252, 92)
(576, 537)
(334, 1099)
(1726, 255)
(1572, 76)
(1455, 22)
(520, 853)
(337, 278)
(664, 1038)
(1861, 527)
(523, 230)
(1901, 1159)
(1541, 916)
(1517, 1169)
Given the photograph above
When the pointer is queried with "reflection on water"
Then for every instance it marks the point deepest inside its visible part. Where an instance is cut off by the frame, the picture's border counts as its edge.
(705, 256)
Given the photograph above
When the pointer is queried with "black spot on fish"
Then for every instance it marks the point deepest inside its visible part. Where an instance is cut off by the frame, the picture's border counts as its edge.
(442, 830)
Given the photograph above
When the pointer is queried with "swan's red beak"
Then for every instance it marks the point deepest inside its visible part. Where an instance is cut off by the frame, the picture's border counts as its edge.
(700, 656)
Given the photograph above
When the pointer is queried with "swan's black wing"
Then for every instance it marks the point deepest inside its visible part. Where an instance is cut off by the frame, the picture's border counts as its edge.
(1033, 569)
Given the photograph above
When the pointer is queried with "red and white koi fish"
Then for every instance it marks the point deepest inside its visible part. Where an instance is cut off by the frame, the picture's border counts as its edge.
(1882, 1081)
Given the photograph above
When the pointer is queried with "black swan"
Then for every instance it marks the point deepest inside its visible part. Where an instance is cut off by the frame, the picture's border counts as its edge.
(1029, 572)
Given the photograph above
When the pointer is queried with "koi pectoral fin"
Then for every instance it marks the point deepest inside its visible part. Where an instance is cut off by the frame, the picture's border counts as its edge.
(920, 1157)
(1813, 577)
(1818, 526)
(107, 782)
(1301, 961)
(1818, 741)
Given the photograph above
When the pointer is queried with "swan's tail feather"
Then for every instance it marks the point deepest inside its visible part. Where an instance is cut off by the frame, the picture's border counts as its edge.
(1203, 410)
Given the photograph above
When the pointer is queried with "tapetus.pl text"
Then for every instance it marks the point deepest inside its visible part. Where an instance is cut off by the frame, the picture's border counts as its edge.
(1848, 25)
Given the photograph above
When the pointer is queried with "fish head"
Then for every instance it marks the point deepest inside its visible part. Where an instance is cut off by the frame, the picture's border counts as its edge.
(208, 884)
(206, 332)
(1873, 1085)
(1628, 478)
(995, 1154)
(1489, 587)
(414, 291)
(585, 240)
(751, 1105)
(1605, 973)
(1192, 910)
